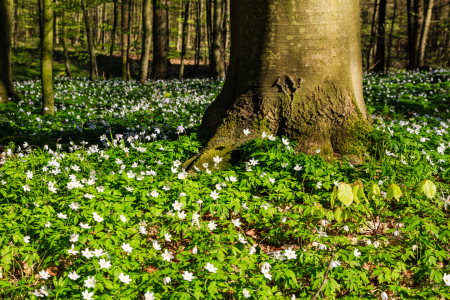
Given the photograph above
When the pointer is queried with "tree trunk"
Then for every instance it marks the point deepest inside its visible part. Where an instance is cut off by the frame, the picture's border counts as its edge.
(129, 41)
(381, 38)
(417, 31)
(91, 48)
(41, 25)
(390, 36)
(295, 71)
(167, 32)
(48, 107)
(113, 39)
(217, 33)
(7, 90)
(159, 62)
(372, 34)
(64, 44)
(146, 41)
(209, 33)
(184, 39)
(199, 36)
(124, 38)
(104, 17)
(424, 35)
(223, 51)
(180, 25)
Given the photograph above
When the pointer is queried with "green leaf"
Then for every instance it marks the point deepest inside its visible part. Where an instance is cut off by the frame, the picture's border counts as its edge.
(345, 194)
(355, 190)
(338, 214)
(427, 188)
(374, 191)
(393, 191)
(333, 197)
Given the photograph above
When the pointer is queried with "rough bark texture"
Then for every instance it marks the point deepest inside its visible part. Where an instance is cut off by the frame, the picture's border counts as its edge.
(424, 35)
(295, 71)
(125, 30)
(146, 41)
(48, 107)
(113, 38)
(159, 63)
(381, 38)
(417, 31)
(184, 40)
(217, 38)
(64, 44)
(7, 90)
(91, 49)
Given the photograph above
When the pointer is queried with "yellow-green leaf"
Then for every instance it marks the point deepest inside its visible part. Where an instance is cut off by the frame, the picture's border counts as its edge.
(393, 191)
(374, 191)
(345, 194)
(355, 189)
(338, 214)
(427, 188)
(333, 196)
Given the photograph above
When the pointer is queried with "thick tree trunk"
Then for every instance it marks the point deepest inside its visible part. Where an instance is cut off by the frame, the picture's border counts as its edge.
(113, 38)
(217, 38)
(146, 41)
(180, 25)
(7, 90)
(91, 49)
(381, 38)
(64, 44)
(48, 107)
(295, 71)
(184, 40)
(124, 38)
(159, 62)
(424, 35)
(390, 36)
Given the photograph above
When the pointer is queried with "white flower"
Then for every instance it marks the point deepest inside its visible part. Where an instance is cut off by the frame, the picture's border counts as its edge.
(335, 264)
(142, 230)
(44, 274)
(322, 247)
(266, 265)
(346, 228)
(100, 189)
(212, 225)
(210, 267)
(368, 242)
(446, 279)
(167, 237)
(74, 206)
(252, 250)
(74, 237)
(396, 233)
(290, 254)
(62, 216)
(127, 248)
(246, 293)
(99, 252)
(319, 185)
(177, 205)
(188, 276)
(217, 159)
(85, 226)
(154, 193)
(97, 217)
(356, 252)
(214, 195)
(167, 255)
(272, 180)
(384, 296)
(242, 240)
(149, 296)
(86, 253)
(125, 278)
(26, 239)
(317, 151)
(104, 264)
(236, 222)
(74, 276)
(414, 247)
(87, 296)
(298, 168)
(48, 224)
(266, 273)
(156, 246)
(285, 141)
(376, 244)
(72, 250)
(246, 132)
(123, 218)
(181, 215)
(166, 280)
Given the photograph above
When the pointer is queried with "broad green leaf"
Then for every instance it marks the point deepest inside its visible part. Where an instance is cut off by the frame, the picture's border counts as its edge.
(345, 194)
(338, 214)
(393, 191)
(355, 190)
(374, 191)
(333, 197)
(427, 188)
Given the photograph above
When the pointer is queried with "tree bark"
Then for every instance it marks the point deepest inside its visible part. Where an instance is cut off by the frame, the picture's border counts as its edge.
(381, 38)
(199, 36)
(113, 38)
(91, 48)
(104, 17)
(48, 107)
(390, 36)
(159, 62)
(180, 25)
(209, 33)
(295, 71)
(64, 44)
(424, 34)
(124, 38)
(372, 34)
(146, 41)
(184, 40)
(223, 51)
(7, 90)
(417, 31)
(217, 33)
(129, 40)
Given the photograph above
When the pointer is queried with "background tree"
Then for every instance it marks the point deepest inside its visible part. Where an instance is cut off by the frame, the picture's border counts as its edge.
(48, 107)
(381, 38)
(216, 43)
(125, 29)
(159, 63)
(146, 41)
(6, 23)
(90, 42)
(302, 79)
(184, 39)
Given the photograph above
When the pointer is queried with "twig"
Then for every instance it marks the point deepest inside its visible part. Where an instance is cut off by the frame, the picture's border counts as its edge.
(372, 67)
(325, 280)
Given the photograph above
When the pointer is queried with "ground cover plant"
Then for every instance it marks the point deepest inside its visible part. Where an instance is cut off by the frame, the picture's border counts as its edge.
(95, 203)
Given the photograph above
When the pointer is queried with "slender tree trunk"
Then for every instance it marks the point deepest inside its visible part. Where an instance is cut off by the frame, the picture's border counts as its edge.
(48, 107)
(167, 32)
(146, 41)
(91, 49)
(184, 39)
(199, 36)
(7, 90)
(104, 18)
(417, 31)
(180, 25)
(311, 94)
(55, 34)
(424, 35)
(390, 36)
(41, 25)
(129, 41)
(223, 52)
(209, 34)
(217, 33)
(159, 62)
(381, 38)
(64, 44)
(113, 38)
(16, 23)
(372, 34)
(124, 38)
